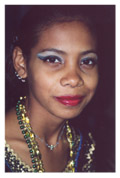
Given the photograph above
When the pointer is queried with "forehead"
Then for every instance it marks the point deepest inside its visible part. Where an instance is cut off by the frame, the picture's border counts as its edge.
(67, 34)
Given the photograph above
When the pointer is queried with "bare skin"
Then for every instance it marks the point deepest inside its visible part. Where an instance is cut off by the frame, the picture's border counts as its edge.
(48, 80)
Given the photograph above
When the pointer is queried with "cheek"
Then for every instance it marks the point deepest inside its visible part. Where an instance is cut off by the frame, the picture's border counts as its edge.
(92, 83)
(41, 83)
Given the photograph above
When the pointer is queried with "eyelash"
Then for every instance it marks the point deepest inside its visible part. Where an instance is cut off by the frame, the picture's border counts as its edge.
(52, 59)
(88, 62)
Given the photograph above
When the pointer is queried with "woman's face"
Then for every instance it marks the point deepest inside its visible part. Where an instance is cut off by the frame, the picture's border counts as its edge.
(63, 71)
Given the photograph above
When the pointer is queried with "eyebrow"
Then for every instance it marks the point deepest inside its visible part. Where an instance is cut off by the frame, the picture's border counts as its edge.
(63, 52)
(53, 50)
(88, 51)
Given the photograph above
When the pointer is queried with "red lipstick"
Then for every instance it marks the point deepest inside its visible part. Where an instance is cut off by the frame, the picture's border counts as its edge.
(70, 100)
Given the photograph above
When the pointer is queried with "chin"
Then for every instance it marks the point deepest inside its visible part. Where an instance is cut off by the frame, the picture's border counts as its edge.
(69, 115)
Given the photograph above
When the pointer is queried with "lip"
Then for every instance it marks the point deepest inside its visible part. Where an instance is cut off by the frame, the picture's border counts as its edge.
(70, 100)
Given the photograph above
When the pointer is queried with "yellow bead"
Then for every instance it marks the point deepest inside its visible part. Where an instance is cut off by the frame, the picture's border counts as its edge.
(33, 143)
(69, 140)
(27, 120)
(31, 135)
(70, 145)
(23, 115)
(73, 169)
(21, 98)
(38, 167)
(24, 111)
(37, 152)
(23, 118)
(35, 159)
(35, 147)
(37, 163)
(28, 127)
(71, 153)
(40, 163)
(69, 130)
(71, 164)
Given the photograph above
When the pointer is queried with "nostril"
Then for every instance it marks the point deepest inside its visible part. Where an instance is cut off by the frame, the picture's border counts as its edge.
(64, 81)
(72, 81)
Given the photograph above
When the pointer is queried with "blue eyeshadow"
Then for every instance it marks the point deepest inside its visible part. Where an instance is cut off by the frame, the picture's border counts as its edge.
(41, 57)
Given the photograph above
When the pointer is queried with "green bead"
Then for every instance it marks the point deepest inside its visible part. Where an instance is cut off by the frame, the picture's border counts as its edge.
(23, 132)
(19, 117)
(20, 122)
(18, 113)
(31, 151)
(17, 109)
(28, 141)
(25, 137)
(32, 156)
(30, 146)
(27, 134)
(17, 106)
(22, 127)
(18, 102)
(34, 166)
(33, 161)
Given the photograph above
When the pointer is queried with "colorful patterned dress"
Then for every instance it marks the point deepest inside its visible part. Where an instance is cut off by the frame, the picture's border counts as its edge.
(84, 151)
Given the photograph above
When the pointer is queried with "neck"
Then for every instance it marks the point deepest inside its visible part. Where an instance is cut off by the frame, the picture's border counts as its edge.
(45, 125)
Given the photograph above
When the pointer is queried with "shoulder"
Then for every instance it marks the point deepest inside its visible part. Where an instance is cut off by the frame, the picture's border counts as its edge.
(12, 131)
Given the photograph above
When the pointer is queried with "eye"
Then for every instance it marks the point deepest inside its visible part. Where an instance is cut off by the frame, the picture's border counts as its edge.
(53, 59)
(88, 62)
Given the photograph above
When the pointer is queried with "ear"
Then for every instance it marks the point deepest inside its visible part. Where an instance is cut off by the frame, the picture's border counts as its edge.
(19, 62)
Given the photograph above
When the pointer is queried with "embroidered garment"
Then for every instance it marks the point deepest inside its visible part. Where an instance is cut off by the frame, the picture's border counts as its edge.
(83, 148)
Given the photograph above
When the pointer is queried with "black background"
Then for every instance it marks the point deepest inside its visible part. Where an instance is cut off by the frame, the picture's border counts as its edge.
(100, 117)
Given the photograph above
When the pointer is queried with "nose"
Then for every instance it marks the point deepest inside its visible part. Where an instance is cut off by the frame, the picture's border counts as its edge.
(72, 79)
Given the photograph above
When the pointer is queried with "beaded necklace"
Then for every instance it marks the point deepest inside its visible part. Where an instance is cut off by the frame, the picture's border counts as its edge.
(51, 147)
(29, 136)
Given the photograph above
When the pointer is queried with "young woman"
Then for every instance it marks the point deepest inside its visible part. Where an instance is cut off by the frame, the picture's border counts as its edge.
(55, 59)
